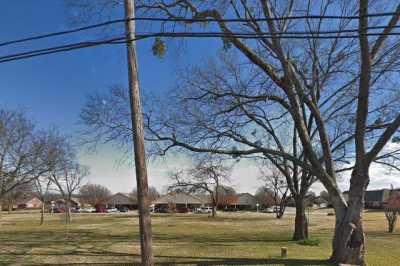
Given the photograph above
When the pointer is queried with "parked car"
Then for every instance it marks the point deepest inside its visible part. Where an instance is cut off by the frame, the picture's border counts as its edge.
(207, 209)
(123, 209)
(101, 210)
(161, 210)
(58, 210)
(183, 210)
(198, 210)
(231, 209)
(268, 210)
(204, 210)
(75, 210)
(112, 210)
(88, 210)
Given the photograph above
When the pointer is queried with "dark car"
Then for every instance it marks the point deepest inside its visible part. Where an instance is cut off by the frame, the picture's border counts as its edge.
(123, 209)
(183, 210)
(232, 209)
(161, 210)
(58, 210)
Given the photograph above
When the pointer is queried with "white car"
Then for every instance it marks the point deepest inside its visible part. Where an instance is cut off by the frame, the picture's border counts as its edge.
(112, 210)
(87, 210)
(207, 210)
(204, 210)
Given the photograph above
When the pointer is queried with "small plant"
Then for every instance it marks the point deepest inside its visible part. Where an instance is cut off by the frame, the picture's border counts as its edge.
(309, 242)
(159, 47)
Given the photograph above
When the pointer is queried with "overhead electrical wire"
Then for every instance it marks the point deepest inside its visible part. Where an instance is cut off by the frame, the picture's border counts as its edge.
(327, 34)
(116, 21)
(122, 40)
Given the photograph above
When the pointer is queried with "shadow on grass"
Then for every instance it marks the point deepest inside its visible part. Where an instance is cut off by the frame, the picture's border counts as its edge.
(175, 260)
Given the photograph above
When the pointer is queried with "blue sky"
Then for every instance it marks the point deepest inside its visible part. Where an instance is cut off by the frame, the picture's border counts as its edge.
(52, 89)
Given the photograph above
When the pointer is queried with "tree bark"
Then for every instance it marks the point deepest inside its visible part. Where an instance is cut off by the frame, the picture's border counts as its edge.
(301, 222)
(214, 204)
(392, 226)
(68, 213)
(349, 239)
(42, 214)
(391, 216)
(214, 211)
(146, 241)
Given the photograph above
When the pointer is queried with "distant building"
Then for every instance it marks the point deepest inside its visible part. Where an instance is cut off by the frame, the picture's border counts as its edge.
(374, 199)
(26, 202)
(246, 201)
(178, 200)
(123, 200)
(30, 203)
(206, 199)
(61, 203)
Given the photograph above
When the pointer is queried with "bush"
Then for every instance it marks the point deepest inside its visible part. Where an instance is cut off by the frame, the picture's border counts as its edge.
(309, 242)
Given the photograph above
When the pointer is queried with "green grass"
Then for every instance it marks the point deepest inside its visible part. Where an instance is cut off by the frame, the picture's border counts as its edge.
(309, 242)
(182, 239)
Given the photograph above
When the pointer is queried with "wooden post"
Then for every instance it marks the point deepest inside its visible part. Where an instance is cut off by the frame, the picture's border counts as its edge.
(138, 139)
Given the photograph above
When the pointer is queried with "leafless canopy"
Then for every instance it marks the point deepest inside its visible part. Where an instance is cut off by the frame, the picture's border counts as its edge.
(94, 194)
(25, 153)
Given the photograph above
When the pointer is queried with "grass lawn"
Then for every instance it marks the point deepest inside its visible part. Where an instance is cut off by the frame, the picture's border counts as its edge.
(181, 239)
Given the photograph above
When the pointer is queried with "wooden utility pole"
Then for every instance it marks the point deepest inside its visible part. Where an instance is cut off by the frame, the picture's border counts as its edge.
(138, 140)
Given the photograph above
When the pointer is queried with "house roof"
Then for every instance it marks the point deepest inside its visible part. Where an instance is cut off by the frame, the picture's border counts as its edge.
(73, 200)
(26, 199)
(246, 199)
(379, 195)
(122, 199)
(178, 198)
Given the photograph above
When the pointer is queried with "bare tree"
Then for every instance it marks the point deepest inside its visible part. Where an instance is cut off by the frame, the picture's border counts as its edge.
(42, 186)
(324, 85)
(153, 194)
(68, 177)
(207, 176)
(280, 191)
(392, 209)
(14, 196)
(25, 153)
(331, 79)
(265, 197)
(227, 196)
(94, 194)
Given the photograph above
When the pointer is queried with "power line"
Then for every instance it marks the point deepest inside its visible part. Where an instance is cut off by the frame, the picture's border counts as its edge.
(93, 26)
(122, 40)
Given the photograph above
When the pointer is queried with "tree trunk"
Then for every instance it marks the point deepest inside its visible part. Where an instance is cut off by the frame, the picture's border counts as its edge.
(349, 239)
(214, 211)
(42, 214)
(301, 222)
(9, 208)
(391, 216)
(349, 243)
(391, 227)
(280, 209)
(68, 213)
